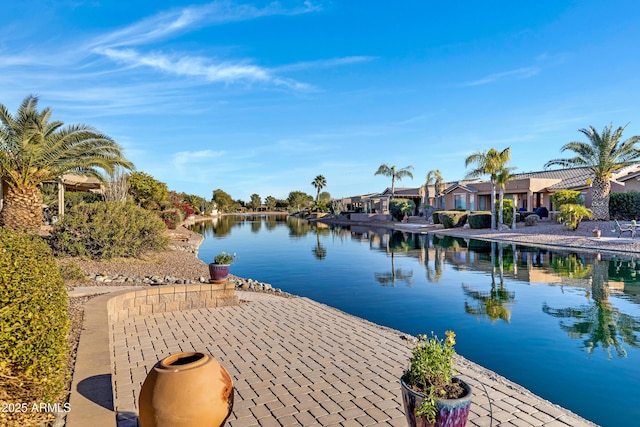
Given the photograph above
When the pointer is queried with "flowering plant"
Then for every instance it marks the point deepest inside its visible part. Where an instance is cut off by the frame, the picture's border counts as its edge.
(431, 372)
(225, 258)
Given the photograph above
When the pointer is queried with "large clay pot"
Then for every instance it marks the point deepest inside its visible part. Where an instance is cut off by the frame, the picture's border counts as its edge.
(218, 272)
(186, 390)
(451, 412)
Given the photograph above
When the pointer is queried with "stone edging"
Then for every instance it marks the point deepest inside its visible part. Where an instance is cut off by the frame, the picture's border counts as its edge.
(161, 299)
(91, 395)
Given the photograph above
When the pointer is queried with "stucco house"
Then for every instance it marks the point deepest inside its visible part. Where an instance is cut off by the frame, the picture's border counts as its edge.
(529, 190)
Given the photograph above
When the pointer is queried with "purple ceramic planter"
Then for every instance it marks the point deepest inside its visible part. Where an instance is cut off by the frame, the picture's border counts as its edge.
(218, 272)
(451, 412)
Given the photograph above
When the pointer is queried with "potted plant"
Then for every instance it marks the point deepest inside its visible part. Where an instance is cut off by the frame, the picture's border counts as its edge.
(219, 268)
(431, 394)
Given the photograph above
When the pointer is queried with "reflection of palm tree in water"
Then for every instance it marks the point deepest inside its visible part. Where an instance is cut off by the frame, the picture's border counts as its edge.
(396, 274)
(599, 323)
(319, 251)
(497, 302)
(397, 242)
(437, 263)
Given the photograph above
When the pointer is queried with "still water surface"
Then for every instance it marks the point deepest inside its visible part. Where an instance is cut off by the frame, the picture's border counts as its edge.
(564, 325)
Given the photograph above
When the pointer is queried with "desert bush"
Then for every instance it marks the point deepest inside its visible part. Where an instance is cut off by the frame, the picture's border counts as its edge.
(399, 207)
(108, 230)
(451, 219)
(72, 271)
(172, 217)
(624, 205)
(531, 219)
(33, 316)
(480, 219)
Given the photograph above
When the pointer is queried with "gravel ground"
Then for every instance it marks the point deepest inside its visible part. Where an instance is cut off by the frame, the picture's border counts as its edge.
(180, 260)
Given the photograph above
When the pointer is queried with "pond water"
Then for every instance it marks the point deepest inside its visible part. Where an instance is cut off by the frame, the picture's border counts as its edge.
(565, 325)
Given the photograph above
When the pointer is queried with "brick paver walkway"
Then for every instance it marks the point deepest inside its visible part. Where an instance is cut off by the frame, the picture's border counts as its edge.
(296, 362)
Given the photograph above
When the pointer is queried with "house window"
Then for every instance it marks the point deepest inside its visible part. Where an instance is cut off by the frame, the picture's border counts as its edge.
(472, 202)
(459, 201)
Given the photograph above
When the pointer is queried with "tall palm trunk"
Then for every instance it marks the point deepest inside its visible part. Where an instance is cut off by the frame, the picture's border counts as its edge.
(600, 191)
(22, 208)
(493, 205)
(501, 213)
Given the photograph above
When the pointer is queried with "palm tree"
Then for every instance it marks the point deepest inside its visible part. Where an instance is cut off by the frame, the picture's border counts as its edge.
(34, 150)
(489, 163)
(394, 173)
(319, 183)
(502, 178)
(433, 177)
(603, 154)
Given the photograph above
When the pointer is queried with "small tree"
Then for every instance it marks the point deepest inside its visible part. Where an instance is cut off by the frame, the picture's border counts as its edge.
(563, 197)
(255, 202)
(571, 215)
(270, 202)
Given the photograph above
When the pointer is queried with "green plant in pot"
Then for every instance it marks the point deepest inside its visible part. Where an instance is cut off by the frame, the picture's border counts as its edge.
(219, 268)
(431, 393)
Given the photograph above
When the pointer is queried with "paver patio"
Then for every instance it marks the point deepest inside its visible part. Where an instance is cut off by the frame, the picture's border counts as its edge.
(296, 362)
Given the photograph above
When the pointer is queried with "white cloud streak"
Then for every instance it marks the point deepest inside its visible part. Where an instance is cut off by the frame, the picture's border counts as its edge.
(119, 45)
(519, 74)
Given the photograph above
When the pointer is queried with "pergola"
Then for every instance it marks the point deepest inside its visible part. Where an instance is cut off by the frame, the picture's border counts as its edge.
(73, 182)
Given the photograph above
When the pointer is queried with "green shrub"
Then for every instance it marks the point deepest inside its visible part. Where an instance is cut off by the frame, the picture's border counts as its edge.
(33, 315)
(72, 198)
(563, 197)
(436, 216)
(624, 205)
(507, 211)
(108, 230)
(531, 219)
(72, 271)
(172, 217)
(571, 215)
(399, 207)
(451, 219)
(478, 220)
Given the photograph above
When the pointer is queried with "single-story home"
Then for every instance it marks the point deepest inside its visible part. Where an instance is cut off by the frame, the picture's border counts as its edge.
(529, 190)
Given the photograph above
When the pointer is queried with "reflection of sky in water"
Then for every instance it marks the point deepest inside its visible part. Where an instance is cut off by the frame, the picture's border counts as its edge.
(406, 282)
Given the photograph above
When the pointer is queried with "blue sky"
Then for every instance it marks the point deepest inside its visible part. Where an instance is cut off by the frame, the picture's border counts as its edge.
(260, 97)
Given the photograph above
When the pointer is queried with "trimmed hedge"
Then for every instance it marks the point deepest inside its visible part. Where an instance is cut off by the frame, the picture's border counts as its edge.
(624, 205)
(33, 315)
(436, 216)
(480, 219)
(452, 219)
(109, 230)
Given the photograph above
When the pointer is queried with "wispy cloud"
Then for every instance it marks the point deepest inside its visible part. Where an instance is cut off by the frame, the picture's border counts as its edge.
(325, 63)
(517, 74)
(182, 158)
(119, 45)
(167, 24)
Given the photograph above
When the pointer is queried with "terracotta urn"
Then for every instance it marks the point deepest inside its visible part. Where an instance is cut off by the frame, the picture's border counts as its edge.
(218, 272)
(186, 390)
